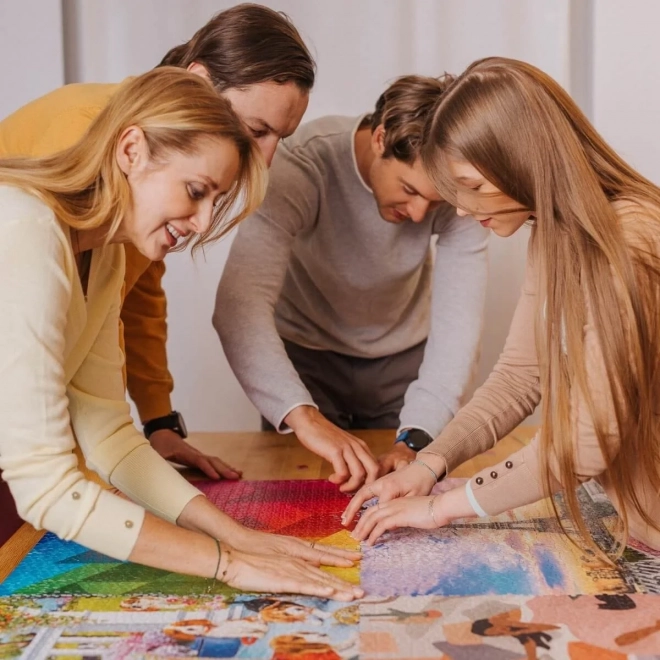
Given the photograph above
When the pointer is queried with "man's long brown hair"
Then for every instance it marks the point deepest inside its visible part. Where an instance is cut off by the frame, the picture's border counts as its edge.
(595, 241)
(246, 45)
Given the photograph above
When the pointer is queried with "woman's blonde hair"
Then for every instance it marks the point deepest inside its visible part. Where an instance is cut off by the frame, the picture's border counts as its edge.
(176, 110)
(595, 241)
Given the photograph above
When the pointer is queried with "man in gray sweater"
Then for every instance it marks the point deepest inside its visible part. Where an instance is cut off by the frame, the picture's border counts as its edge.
(332, 311)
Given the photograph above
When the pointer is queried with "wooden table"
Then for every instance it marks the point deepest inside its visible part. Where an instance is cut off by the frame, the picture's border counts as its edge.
(269, 455)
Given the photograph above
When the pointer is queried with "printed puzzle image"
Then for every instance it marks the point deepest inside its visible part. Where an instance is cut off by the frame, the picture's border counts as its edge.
(604, 627)
(519, 552)
(499, 588)
(210, 627)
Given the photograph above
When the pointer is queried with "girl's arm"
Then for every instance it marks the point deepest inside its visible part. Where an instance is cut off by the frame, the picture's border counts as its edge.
(510, 394)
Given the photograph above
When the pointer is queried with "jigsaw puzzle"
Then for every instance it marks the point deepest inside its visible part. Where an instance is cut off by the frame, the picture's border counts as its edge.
(500, 588)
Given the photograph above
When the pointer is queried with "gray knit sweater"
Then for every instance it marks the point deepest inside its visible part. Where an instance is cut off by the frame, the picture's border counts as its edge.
(317, 265)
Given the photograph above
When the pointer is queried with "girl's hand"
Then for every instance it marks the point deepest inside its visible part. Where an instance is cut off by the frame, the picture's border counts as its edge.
(418, 512)
(414, 479)
(281, 574)
(253, 542)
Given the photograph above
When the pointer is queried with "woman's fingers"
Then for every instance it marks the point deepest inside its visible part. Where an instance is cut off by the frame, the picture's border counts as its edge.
(313, 574)
(314, 552)
(368, 520)
(389, 522)
(366, 493)
(282, 574)
(327, 555)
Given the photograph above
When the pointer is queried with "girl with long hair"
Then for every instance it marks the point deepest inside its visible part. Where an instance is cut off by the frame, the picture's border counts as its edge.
(508, 146)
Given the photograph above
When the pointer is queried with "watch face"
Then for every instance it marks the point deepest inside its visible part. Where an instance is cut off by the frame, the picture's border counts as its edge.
(418, 439)
(181, 424)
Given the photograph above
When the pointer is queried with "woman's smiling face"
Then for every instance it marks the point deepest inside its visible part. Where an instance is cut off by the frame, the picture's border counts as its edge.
(175, 195)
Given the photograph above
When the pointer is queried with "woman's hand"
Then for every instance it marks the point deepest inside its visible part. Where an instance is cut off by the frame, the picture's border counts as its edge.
(281, 574)
(414, 479)
(418, 512)
(262, 543)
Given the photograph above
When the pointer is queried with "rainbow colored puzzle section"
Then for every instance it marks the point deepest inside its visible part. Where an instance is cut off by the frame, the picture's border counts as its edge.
(307, 509)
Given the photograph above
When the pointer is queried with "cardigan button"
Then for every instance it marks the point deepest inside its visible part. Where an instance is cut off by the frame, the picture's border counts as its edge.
(75, 495)
(493, 474)
(509, 464)
(479, 481)
(129, 524)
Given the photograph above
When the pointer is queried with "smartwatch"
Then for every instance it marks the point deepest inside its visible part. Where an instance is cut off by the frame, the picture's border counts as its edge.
(414, 439)
(173, 422)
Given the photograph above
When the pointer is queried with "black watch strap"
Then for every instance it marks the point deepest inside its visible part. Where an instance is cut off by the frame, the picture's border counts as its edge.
(173, 422)
(414, 439)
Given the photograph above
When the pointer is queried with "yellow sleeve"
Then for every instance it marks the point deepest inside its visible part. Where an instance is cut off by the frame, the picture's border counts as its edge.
(64, 131)
(53, 122)
(144, 316)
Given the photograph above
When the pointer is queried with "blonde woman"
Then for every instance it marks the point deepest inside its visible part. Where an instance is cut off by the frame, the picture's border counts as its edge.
(510, 147)
(163, 166)
(256, 59)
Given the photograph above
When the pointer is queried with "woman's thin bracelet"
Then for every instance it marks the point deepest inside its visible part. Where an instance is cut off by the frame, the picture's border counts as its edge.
(428, 467)
(431, 512)
(217, 567)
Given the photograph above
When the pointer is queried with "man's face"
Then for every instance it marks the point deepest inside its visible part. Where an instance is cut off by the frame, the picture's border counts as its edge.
(403, 192)
(271, 111)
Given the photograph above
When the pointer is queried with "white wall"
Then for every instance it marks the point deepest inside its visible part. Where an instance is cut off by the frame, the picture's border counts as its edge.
(31, 51)
(359, 47)
(606, 53)
(626, 82)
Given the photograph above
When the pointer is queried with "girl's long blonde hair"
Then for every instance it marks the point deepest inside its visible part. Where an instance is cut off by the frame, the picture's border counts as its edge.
(524, 133)
(175, 109)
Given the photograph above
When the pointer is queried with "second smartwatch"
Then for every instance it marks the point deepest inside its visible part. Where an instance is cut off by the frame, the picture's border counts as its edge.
(414, 439)
(173, 422)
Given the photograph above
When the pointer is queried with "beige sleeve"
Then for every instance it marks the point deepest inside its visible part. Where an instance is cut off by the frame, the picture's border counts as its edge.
(37, 445)
(107, 436)
(518, 480)
(509, 395)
